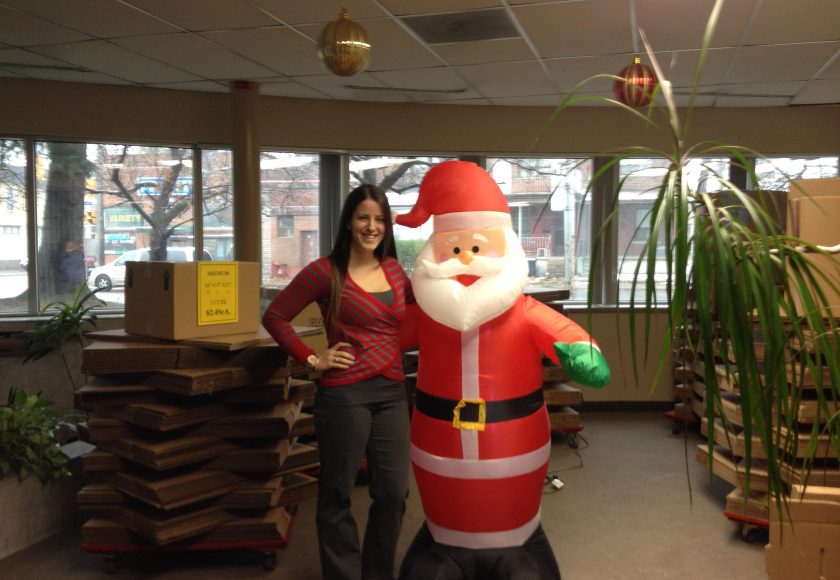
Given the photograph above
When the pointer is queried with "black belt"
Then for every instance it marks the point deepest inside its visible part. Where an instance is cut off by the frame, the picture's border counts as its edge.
(467, 414)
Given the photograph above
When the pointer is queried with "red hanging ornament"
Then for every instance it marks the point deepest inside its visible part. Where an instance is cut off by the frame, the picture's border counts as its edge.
(637, 87)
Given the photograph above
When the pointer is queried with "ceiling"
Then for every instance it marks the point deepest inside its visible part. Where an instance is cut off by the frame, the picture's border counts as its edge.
(763, 52)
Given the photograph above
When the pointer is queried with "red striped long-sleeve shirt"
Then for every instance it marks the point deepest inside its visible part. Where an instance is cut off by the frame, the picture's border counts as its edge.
(370, 326)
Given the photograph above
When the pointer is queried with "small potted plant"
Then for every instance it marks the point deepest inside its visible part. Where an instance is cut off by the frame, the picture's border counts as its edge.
(64, 325)
(27, 438)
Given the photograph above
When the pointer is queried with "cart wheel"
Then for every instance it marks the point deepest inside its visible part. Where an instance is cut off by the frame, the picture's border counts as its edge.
(112, 563)
(677, 428)
(751, 534)
(573, 440)
(269, 561)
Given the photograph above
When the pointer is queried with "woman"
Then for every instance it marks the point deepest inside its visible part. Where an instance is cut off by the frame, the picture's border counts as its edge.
(360, 404)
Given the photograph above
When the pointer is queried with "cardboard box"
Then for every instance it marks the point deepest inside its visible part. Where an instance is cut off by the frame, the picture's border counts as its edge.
(828, 266)
(813, 188)
(805, 543)
(181, 300)
(311, 317)
(815, 219)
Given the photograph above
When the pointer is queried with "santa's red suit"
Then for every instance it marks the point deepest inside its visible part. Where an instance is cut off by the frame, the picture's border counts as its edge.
(481, 486)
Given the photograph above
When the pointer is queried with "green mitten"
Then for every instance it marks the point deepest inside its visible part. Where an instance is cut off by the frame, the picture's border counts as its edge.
(583, 363)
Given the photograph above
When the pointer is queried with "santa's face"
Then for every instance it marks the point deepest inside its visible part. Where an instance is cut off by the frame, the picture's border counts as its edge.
(474, 252)
(466, 277)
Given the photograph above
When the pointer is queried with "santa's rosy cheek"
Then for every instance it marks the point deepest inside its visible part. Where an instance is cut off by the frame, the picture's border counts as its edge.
(492, 254)
(443, 257)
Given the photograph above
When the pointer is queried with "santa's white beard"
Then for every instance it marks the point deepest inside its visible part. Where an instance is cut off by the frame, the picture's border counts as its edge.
(452, 304)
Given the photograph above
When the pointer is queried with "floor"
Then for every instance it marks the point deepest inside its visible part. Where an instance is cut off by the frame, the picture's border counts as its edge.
(635, 505)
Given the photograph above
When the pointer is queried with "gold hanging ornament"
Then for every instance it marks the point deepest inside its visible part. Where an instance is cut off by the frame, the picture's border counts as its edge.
(343, 46)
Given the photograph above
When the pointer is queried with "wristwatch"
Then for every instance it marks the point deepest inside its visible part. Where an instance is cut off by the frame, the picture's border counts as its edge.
(312, 361)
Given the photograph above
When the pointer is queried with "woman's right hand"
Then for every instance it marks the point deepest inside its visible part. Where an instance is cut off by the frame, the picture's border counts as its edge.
(335, 357)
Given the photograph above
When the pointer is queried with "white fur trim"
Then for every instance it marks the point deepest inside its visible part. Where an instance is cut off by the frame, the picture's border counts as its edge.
(472, 220)
(482, 540)
(500, 468)
(462, 308)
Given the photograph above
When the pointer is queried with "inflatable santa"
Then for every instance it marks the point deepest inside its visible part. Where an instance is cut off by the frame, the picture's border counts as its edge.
(480, 434)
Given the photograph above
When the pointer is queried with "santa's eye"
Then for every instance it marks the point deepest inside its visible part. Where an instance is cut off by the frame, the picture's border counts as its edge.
(475, 249)
(456, 250)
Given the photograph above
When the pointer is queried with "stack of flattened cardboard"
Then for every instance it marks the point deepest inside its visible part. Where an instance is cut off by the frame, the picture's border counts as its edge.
(813, 214)
(561, 398)
(201, 440)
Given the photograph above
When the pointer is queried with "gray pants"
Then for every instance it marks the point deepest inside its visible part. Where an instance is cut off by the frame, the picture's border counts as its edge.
(351, 424)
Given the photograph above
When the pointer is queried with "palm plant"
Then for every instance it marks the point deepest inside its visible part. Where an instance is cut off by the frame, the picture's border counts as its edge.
(730, 275)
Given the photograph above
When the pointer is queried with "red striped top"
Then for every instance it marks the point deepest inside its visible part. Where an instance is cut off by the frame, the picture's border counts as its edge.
(366, 322)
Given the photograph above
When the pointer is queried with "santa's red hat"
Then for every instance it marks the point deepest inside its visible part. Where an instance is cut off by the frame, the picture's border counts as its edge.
(461, 196)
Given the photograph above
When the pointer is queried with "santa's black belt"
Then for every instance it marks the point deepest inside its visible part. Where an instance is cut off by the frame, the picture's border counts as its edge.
(474, 413)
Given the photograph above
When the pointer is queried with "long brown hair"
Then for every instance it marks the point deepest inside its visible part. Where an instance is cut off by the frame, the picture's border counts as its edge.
(340, 254)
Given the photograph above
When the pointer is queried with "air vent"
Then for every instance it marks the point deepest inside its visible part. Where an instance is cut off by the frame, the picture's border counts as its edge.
(463, 26)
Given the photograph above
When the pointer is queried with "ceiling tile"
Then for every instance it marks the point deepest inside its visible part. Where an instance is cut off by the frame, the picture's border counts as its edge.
(108, 58)
(207, 14)
(205, 86)
(680, 66)
(776, 89)
(193, 53)
(70, 76)
(19, 29)
(507, 79)
(484, 51)
(819, 92)
(568, 72)
(658, 19)
(577, 29)
(527, 101)
(832, 71)
(307, 12)
(279, 48)
(361, 87)
(441, 78)
(290, 89)
(19, 56)
(783, 21)
(780, 63)
(735, 101)
(99, 18)
(405, 7)
(462, 102)
(431, 96)
(700, 100)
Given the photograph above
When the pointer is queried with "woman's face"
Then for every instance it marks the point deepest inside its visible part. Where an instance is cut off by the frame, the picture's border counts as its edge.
(368, 225)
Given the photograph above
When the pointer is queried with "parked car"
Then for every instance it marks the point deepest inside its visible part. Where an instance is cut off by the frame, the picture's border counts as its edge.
(113, 275)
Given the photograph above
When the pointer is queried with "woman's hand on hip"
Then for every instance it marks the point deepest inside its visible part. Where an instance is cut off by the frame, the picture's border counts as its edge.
(335, 357)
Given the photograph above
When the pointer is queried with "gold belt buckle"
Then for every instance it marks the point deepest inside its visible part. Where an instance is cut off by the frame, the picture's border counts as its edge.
(472, 425)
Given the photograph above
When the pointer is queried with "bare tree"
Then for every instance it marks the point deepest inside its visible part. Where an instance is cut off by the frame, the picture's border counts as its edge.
(63, 217)
(150, 182)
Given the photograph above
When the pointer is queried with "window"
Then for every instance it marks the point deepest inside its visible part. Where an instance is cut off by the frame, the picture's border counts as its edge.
(217, 203)
(400, 177)
(14, 259)
(640, 178)
(774, 173)
(285, 226)
(289, 187)
(550, 214)
(97, 201)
